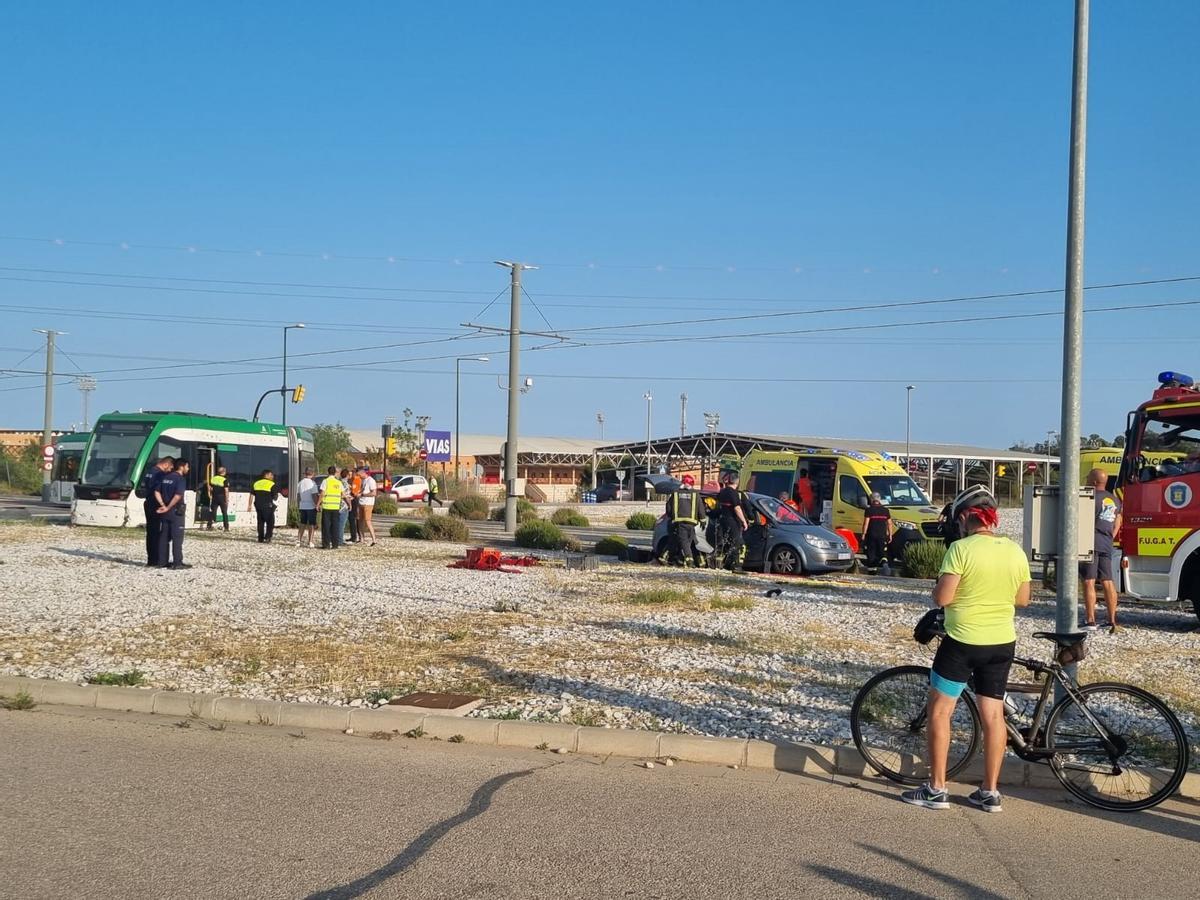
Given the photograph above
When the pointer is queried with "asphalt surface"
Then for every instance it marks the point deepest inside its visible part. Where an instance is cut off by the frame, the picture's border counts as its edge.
(124, 806)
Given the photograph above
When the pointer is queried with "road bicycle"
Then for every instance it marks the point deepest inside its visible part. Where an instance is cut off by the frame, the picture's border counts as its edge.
(1112, 745)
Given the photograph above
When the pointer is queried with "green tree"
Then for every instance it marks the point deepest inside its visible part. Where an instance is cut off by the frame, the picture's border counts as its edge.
(331, 444)
(21, 468)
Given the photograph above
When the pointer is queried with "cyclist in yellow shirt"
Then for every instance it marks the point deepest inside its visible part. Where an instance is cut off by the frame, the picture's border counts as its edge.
(984, 578)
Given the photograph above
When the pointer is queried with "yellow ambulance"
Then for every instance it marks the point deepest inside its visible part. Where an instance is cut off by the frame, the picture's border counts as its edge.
(833, 487)
(1109, 459)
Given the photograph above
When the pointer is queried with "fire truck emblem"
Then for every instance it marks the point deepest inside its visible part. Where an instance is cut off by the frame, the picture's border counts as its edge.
(1178, 495)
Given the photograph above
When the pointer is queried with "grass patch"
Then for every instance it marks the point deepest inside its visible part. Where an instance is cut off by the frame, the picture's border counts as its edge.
(661, 597)
(587, 717)
(417, 732)
(18, 701)
(456, 739)
(507, 715)
(731, 603)
(132, 678)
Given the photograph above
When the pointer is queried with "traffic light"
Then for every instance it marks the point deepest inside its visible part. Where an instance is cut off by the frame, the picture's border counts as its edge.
(298, 394)
(1000, 470)
(390, 447)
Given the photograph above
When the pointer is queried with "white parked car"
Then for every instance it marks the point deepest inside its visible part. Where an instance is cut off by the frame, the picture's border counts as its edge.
(410, 488)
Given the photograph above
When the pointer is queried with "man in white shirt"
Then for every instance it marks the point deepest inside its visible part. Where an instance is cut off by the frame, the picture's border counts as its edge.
(306, 494)
(366, 504)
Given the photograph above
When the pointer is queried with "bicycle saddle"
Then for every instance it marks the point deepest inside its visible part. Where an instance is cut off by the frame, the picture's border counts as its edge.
(1064, 639)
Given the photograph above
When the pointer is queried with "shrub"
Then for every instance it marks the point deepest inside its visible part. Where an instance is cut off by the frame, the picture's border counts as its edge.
(540, 535)
(923, 559)
(385, 505)
(446, 528)
(641, 521)
(612, 546)
(412, 530)
(572, 517)
(472, 507)
(526, 512)
(132, 678)
(293, 516)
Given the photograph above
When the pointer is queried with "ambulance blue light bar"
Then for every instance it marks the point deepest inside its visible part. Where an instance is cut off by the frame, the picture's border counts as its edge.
(1175, 379)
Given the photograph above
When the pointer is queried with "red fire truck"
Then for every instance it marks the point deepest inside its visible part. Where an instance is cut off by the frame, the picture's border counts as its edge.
(1160, 534)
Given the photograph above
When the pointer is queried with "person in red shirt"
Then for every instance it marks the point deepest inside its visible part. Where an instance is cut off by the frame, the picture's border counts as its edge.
(804, 493)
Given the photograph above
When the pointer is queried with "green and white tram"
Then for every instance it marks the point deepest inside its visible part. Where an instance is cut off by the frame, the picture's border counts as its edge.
(122, 445)
(68, 454)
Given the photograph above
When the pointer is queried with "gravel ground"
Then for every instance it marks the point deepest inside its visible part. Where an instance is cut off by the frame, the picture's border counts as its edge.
(693, 652)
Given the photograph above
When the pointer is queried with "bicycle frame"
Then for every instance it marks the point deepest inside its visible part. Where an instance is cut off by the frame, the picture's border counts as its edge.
(1031, 747)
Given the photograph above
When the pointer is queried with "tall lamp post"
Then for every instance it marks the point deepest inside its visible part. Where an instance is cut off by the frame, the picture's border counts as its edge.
(283, 387)
(649, 398)
(711, 421)
(908, 425)
(457, 376)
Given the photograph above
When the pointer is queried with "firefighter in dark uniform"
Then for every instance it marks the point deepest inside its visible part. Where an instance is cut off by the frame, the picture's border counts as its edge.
(172, 515)
(146, 488)
(265, 491)
(685, 510)
(731, 523)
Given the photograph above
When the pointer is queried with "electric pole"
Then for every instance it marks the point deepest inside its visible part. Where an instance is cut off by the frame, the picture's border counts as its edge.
(1067, 619)
(514, 394)
(48, 411)
(682, 414)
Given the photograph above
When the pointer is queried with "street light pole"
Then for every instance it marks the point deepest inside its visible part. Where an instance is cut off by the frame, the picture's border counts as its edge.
(649, 398)
(908, 425)
(283, 387)
(457, 376)
(86, 384)
(1067, 619)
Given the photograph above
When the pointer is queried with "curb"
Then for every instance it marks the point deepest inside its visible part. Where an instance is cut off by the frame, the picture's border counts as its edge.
(779, 756)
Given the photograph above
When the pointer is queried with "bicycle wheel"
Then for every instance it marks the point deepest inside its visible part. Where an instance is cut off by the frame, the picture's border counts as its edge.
(887, 721)
(1132, 756)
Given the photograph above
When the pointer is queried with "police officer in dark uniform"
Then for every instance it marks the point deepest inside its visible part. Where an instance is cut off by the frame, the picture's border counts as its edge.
(265, 491)
(172, 513)
(685, 510)
(146, 489)
(731, 523)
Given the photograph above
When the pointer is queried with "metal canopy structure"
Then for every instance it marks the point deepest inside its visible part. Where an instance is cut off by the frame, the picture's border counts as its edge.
(953, 465)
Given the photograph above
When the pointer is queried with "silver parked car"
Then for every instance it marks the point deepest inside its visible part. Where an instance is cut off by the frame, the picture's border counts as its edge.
(779, 539)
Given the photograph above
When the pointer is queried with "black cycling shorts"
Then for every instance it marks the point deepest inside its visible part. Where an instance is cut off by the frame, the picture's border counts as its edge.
(987, 665)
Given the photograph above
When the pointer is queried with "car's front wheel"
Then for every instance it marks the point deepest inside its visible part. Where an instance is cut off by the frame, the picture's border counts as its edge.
(786, 560)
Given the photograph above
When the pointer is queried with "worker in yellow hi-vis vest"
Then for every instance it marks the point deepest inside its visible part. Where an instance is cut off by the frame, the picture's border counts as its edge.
(330, 503)
(218, 496)
(685, 510)
(265, 492)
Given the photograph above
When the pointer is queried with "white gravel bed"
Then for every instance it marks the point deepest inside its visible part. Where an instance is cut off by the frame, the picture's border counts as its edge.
(547, 644)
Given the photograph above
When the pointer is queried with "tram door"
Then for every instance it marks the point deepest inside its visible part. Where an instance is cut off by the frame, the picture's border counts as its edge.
(205, 459)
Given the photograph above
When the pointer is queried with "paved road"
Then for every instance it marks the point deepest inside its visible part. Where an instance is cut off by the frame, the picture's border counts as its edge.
(111, 805)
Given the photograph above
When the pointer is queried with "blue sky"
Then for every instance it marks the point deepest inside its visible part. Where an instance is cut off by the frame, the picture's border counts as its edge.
(663, 162)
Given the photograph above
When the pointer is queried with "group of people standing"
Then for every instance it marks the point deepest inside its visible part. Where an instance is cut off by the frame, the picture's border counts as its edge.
(686, 510)
(163, 490)
(342, 498)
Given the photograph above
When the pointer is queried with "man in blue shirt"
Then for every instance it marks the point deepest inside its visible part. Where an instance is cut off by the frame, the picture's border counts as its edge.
(171, 514)
(146, 489)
